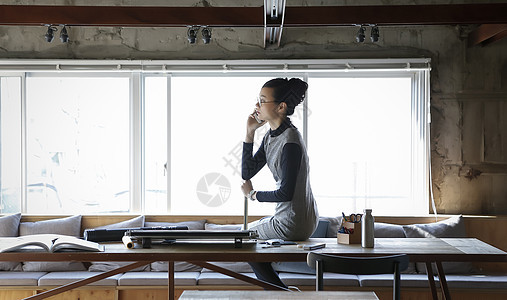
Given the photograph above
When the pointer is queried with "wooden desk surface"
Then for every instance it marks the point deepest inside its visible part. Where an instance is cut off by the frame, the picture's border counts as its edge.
(419, 249)
(276, 295)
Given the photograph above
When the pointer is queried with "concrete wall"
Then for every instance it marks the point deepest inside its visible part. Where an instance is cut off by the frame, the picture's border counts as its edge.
(468, 85)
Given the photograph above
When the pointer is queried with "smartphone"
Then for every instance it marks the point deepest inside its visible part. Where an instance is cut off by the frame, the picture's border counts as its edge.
(314, 246)
(257, 118)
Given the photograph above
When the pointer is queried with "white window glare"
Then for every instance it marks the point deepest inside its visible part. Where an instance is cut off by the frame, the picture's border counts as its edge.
(360, 144)
(155, 139)
(10, 144)
(77, 145)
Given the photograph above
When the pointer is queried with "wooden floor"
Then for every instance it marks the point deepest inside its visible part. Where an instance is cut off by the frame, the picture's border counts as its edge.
(161, 292)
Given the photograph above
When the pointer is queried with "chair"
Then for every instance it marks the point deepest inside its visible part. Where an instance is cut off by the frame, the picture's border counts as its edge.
(358, 266)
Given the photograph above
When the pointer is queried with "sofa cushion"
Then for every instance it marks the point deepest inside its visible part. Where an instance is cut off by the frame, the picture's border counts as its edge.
(453, 227)
(161, 266)
(453, 281)
(192, 225)
(62, 278)
(130, 223)
(9, 228)
(13, 278)
(9, 225)
(477, 281)
(238, 267)
(330, 279)
(102, 266)
(211, 226)
(157, 278)
(386, 230)
(333, 225)
(65, 226)
(407, 280)
(214, 278)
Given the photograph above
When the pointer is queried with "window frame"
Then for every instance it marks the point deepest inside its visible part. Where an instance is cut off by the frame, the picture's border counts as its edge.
(417, 69)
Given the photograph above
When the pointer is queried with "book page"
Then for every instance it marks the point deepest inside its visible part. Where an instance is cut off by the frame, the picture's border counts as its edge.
(37, 242)
(68, 243)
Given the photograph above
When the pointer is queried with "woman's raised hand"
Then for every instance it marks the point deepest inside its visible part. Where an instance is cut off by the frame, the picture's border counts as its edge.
(252, 125)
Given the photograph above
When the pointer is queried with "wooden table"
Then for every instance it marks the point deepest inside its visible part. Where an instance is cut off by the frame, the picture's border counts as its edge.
(276, 295)
(428, 250)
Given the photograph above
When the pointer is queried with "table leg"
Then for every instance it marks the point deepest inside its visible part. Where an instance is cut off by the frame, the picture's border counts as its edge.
(255, 281)
(86, 281)
(443, 281)
(431, 280)
(170, 278)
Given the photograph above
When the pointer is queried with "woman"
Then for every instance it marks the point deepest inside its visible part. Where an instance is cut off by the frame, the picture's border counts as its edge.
(284, 151)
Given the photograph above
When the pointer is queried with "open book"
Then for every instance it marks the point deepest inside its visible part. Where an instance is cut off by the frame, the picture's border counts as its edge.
(48, 243)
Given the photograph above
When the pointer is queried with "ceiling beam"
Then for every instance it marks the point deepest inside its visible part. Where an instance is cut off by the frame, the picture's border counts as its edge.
(448, 14)
(295, 16)
(131, 16)
(487, 34)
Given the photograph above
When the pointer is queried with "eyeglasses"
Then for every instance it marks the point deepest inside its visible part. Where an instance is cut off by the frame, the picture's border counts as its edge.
(354, 218)
(260, 101)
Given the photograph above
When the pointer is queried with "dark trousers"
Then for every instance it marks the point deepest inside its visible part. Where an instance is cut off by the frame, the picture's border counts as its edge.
(264, 271)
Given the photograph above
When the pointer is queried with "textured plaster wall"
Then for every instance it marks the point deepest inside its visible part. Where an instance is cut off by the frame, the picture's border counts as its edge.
(468, 85)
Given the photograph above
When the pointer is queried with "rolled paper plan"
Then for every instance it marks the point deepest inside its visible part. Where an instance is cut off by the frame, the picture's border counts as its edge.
(127, 241)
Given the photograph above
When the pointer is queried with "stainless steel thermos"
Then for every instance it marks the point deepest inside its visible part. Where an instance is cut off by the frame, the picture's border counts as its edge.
(367, 229)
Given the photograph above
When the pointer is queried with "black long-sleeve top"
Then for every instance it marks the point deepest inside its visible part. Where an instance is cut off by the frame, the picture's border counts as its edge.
(290, 163)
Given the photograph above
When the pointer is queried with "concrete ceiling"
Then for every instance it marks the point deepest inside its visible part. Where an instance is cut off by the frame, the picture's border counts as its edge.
(274, 16)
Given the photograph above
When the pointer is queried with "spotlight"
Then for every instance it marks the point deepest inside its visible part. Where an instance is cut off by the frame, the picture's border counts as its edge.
(192, 34)
(375, 33)
(360, 34)
(50, 34)
(64, 36)
(206, 35)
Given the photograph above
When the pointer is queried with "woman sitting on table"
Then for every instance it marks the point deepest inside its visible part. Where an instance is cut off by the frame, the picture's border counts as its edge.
(284, 151)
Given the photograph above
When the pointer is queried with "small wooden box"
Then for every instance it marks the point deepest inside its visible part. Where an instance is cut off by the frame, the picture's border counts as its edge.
(353, 238)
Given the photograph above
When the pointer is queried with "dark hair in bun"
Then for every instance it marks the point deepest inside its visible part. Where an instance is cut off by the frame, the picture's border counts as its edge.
(291, 91)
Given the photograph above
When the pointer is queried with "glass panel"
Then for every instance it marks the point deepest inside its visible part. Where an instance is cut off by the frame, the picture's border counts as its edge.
(359, 137)
(155, 145)
(77, 145)
(10, 144)
(208, 127)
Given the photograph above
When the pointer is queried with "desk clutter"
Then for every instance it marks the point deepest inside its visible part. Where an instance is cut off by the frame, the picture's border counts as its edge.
(349, 233)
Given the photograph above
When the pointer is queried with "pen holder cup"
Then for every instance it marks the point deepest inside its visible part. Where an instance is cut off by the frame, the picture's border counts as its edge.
(354, 237)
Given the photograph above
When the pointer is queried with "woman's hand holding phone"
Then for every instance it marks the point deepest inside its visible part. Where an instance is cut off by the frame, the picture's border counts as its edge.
(253, 123)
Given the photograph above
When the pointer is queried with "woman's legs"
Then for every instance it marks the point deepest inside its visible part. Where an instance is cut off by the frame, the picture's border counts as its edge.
(264, 271)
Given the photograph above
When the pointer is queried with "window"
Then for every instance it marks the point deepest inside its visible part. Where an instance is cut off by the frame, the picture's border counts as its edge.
(77, 151)
(360, 143)
(155, 138)
(10, 144)
(168, 138)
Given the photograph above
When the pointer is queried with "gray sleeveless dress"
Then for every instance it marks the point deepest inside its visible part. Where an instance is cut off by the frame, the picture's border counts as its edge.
(296, 219)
